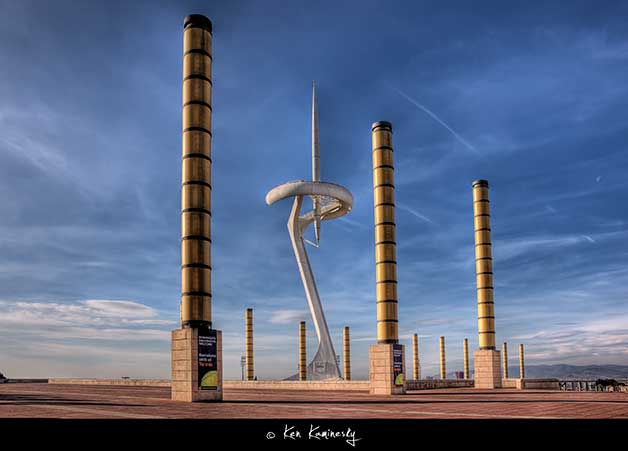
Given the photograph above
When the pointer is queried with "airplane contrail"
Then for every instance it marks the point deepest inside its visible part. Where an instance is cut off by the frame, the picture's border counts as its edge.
(414, 213)
(437, 119)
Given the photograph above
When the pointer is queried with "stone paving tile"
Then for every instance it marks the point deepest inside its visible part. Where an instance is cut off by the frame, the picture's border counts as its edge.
(85, 401)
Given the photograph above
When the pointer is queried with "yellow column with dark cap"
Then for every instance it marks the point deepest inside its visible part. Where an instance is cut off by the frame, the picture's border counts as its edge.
(196, 180)
(191, 378)
(466, 358)
(443, 369)
(483, 264)
(385, 236)
(302, 352)
(486, 360)
(522, 369)
(415, 357)
(387, 367)
(347, 354)
(505, 360)
(249, 363)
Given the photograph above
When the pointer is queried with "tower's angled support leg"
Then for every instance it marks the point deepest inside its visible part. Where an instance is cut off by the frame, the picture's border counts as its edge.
(324, 365)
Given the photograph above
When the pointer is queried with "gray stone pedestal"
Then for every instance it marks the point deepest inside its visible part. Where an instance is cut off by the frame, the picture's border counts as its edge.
(487, 367)
(382, 381)
(185, 380)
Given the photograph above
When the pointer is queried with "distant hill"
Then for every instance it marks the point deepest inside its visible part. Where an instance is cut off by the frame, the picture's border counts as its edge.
(576, 372)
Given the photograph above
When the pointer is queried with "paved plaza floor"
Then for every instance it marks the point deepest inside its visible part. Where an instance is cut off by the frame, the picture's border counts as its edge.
(40, 400)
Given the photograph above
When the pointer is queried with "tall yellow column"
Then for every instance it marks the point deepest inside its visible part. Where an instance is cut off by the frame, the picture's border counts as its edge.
(196, 169)
(443, 368)
(465, 346)
(347, 354)
(302, 352)
(415, 357)
(486, 359)
(384, 379)
(522, 369)
(250, 368)
(483, 264)
(505, 360)
(385, 237)
(196, 347)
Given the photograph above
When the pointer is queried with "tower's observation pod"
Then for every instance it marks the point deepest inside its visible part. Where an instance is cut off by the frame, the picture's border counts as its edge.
(336, 200)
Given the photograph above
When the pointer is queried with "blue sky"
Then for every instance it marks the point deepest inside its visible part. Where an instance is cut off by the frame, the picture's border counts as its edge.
(532, 98)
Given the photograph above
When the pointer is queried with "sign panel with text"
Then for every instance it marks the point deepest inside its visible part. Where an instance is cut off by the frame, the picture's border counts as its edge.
(207, 360)
(398, 364)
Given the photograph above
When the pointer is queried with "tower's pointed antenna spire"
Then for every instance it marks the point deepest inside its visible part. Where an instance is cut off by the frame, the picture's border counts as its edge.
(316, 171)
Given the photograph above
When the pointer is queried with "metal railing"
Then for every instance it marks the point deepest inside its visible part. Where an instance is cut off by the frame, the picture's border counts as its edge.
(591, 385)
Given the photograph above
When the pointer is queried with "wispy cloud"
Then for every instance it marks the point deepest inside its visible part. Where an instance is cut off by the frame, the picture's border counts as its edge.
(415, 213)
(35, 149)
(123, 309)
(433, 115)
(508, 249)
(353, 223)
(575, 344)
(597, 190)
(94, 312)
(289, 316)
(600, 45)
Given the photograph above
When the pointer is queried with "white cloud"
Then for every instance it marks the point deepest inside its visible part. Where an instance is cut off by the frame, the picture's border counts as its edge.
(125, 309)
(607, 325)
(606, 337)
(92, 319)
(91, 312)
(110, 334)
(288, 316)
(92, 338)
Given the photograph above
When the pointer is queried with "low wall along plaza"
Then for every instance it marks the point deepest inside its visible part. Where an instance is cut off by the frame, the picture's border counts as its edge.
(423, 384)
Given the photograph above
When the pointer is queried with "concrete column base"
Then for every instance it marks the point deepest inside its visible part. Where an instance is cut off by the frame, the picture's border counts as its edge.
(381, 370)
(185, 383)
(487, 365)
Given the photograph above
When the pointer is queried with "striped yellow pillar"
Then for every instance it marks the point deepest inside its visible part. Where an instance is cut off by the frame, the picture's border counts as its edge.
(415, 357)
(302, 352)
(347, 349)
(443, 369)
(250, 368)
(483, 264)
(385, 237)
(196, 169)
(505, 360)
(465, 346)
(522, 369)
